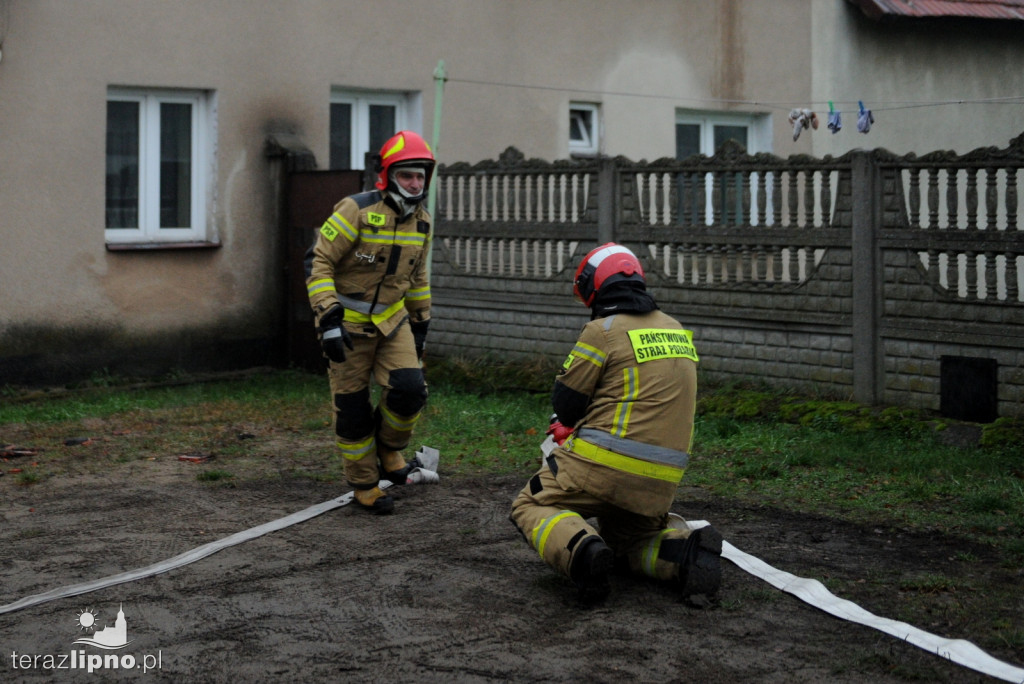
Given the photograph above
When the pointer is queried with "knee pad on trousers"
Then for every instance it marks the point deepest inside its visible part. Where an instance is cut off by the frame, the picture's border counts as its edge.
(408, 393)
(354, 416)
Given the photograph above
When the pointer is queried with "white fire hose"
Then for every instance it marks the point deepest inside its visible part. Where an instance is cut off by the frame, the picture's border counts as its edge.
(425, 472)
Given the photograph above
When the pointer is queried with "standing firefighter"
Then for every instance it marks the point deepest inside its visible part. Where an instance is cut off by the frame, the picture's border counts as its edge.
(624, 405)
(367, 280)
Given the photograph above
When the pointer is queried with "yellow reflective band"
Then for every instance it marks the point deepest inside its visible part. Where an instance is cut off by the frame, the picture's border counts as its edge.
(625, 464)
(400, 424)
(588, 353)
(376, 219)
(353, 316)
(356, 317)
(354, 452)
(322, 285)
(418, 294)
(650, 344)
(630, 391)
(650, 558)
(388, 312)
(403, 239)
(542, 531)
(338, 225)
(397, 147)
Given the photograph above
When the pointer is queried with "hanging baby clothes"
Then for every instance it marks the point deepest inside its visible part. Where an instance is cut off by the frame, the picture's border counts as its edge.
(801, 119)
(864, 119)
(835, 119)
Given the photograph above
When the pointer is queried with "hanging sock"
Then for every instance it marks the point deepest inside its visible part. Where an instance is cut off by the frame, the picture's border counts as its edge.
(835, 119)
(801, 119)
(864, 119)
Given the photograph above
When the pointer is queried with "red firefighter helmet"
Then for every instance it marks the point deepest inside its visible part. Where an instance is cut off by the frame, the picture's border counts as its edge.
(610, 263)
(405, 148)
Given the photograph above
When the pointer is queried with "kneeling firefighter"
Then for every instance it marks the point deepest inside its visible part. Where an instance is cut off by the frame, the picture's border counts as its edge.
(367, 279)
(624, 409)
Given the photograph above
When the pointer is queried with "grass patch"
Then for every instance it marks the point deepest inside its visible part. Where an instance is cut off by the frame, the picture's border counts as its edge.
(214, 476)
(28, 478)
(928, 584)
(904, 476)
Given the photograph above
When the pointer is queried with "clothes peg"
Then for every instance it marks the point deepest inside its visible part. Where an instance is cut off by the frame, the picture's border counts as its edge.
(835, 119)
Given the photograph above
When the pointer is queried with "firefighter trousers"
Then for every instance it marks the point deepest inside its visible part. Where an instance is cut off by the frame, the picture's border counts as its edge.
(554, 521)
(366, 434)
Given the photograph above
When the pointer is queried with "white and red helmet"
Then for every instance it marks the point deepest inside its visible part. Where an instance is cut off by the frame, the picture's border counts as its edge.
(405, 149)
(603, 266)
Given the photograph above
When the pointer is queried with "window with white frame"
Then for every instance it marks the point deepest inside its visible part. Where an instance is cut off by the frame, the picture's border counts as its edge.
(704, 132)
(584, 128)
(158, 165)
(362, 121)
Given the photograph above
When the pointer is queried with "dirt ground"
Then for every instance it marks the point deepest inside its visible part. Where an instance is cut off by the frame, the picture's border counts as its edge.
(443, 590)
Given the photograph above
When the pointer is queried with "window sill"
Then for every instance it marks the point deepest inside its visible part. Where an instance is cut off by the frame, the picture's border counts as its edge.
(150, 246)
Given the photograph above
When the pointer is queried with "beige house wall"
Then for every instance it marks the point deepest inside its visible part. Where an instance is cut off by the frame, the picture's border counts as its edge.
(905, 71)
(513, 69)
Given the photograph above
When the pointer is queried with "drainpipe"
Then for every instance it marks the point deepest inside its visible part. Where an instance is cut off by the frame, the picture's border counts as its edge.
(440, 76)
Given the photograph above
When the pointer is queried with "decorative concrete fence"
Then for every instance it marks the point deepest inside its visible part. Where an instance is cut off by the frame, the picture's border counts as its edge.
(888, 280)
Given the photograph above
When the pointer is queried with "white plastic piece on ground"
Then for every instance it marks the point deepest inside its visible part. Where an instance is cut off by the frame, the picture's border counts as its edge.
(432, 457)
(429, 457)
(813, 592)
(426, 472)
(422, 476)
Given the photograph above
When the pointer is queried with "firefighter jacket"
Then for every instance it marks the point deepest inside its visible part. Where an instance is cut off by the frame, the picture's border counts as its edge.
(372, 262)
(636, 374)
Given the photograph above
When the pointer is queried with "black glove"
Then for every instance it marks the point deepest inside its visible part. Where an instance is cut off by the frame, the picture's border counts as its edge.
(419, 336)
(333, 336)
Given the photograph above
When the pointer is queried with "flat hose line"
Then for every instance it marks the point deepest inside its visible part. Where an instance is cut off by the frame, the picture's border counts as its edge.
(814, 593)
(810, 591)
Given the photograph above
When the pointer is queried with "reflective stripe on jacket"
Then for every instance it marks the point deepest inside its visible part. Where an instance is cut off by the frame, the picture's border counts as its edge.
(629, 456)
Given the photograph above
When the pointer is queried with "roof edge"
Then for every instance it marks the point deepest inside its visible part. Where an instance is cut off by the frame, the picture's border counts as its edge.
(989, 10)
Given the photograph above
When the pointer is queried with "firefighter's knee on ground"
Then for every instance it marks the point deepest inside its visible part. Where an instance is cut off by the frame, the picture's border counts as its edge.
(353, 418)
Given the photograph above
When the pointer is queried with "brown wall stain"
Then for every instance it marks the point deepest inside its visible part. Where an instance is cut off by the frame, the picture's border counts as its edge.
(728, 82)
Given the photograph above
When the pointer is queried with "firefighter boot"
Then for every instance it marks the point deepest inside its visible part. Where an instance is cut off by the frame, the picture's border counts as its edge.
(393, 467)
(374, 500)
(700, 568)
(590, 567)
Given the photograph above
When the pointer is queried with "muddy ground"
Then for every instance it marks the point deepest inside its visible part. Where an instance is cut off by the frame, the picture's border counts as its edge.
(443, 590)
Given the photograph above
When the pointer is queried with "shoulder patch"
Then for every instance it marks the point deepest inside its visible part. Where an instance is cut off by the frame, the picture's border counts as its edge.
(365, 199)
(329, 232)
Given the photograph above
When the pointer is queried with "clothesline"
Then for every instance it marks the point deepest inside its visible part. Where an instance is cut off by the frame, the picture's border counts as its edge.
(877, 105)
